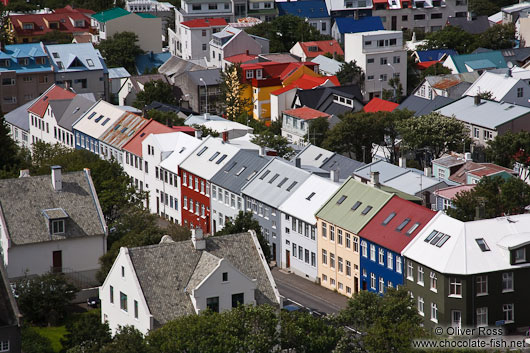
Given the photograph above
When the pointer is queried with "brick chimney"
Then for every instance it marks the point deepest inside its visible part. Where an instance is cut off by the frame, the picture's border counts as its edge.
(57, 178)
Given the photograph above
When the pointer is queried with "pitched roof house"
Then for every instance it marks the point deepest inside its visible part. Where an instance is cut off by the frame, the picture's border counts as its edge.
(345, 25)
(174, 279)
(475, 62)
(379, 105)
(502, 86)
(330, 100)
(310, 50)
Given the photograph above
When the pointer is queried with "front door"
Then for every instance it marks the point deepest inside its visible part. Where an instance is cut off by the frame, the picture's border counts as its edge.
(57, 261)
(355, 285)
(394, 23)
(456, 318)
(287, 258)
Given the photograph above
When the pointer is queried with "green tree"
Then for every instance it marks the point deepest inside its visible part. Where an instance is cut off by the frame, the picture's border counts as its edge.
(317, 131)
(205, 131)
(510, 148)
(351, 73)
(389, 323)
(10, 154)
(498, 36)
(486, 95)
(120, 50)
(158, 90)
(395, 93)
(86, 332)
(167, 118)
(32, 342)
(435, 70)
(242, 223)
(433, 133)
(231, 93)
(127, 339)
(43, 299)
(450, 37)
(391, 123)
(483, 7)
(275, 142)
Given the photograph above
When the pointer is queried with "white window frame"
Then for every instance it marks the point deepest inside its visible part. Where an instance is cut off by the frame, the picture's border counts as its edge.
(482, 316)
(481, 285)
(455, 287)
(507, 282)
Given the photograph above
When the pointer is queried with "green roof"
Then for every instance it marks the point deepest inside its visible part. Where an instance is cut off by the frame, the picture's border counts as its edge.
(343, 216)
(111, 14)
(146, 15)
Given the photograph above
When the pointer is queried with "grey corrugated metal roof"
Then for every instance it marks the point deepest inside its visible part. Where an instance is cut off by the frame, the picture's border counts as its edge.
(270, 186)
(25, 221)
(227, 177)
(386, 171)
(422, 106)
(176, 66)
(210, 76)
(165, 270)
(19, 117)
(75, 109)
(118, 72)
(346, 166)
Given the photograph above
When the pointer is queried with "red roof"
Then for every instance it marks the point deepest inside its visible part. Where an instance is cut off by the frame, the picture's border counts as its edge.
(450, 192)
(379, 105)
(307, 82)
(426, 64)
(275, 69)
(323, 47)
(134, 145)
(240, 58)
(387, 235)
(70, 9)
(486, 169)
(204, 22)
(306, 113)
(63, 19)
(53, 93)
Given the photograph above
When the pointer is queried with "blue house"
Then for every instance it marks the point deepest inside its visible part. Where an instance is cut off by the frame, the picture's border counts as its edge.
(382, 240)
(351, 25)
(433, 55)
(313, 11)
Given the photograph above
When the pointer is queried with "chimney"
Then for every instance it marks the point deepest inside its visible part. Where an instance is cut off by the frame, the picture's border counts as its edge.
(403, 162)
(206, 116)
(477, 100)
(57, 178)
(426, 199)
(198, 134)
(67, 85)
(298, 162)
(24, 173)
(262, 151)
(225, 136)
(87, 171)
(334, 175)
(468, 157)
(374, 179)
(197, 238)
(427, 171)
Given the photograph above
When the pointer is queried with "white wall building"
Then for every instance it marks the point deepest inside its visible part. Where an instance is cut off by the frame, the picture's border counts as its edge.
(232, 41)
(191, 39)
(381, 55)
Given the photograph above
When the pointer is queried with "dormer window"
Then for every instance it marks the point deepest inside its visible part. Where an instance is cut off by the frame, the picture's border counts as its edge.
(520, 255)
(56, 220)
(23, 61)
(250, 74)
(58, 226)
(27, 26)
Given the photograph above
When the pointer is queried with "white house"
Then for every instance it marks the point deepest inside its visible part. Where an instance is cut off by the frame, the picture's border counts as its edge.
(149, 286)
(295, 123)
(381, 55)
(232, 41)
(502, 86)
(57, 226)
(298, 225)
(18, 123)
(191, 39)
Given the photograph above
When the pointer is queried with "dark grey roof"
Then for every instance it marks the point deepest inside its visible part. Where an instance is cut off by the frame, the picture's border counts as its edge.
(59, 106)
(77, 107)
(9, 314)
(207, 263)
(227, 177)
(164, 107)
(321, 98)
(346, 166)
(516, 55)
(19, 117)
(143, 79)
(174, 66)
(421, 106)
(210, 76)
(23, 201)
(165, 271)
(478, 25)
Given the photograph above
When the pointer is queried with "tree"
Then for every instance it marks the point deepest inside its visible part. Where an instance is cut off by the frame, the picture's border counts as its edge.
(498, 36)
(355, 134)
(231, 93)
(391, 122)
(275, 142)
(120, 50)
(486, 95)
(435, 70)
(158, 90)
(43, 299)
(127, 339)
(317, 131)
(389, 322)
(510, 148)
(167, 118)
(450, 37)
(244, 222)
(350, 73)
(395, 93)
(205, 131)
(86, 332)
(32, 342)
(483, 7)
(433, 133)
(9, 152)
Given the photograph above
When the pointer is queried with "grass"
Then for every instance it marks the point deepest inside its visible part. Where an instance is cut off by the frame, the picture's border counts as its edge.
(54, 334)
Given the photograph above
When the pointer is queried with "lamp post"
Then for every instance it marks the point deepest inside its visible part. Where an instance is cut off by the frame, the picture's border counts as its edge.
(393, 76)
(206, 94)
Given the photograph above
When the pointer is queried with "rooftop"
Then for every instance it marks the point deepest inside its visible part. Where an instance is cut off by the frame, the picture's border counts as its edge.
(306, 9)
(491, 59)
(134, 145)
(146, 62)
(363, 24)
(53, 93)
(110, 14)
(451, 192)
(434, 54)
(204, 22)
(379, 105)
(316, 48)
(306, 113)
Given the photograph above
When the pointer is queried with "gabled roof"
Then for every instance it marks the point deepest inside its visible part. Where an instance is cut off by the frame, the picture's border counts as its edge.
(212, 77)
(392, 233)
(119, 133)
(343, 165)
(478, 60)
(488, 114)
(182, 145)
(75, 57)
(308, 198)
(134, 145)
(434, 54)
(277, 181)
(19, 116)
(313, 155)
(239, 170)
(379, 105)
(478, 25)
(31, 51)
(307, 82)
(386, 171)
(118, 72)
(363, 24)
(327, 65)
(451, 192)
(25, 221)
(422, 106)
(449, 161)
(240, 58)
(100, 117)
(306, 9)
(322, 47)
(306, 113)
(110, 14)
(339, 208)
(460, 254)
(65, 22)
(52, 93)
(211, 156)
(149, 61)
(479, 170)
(498, 84)
(175, 66)
(444, 82)
(204, 22)
(320, 98)
(74, 110)
(414, 183)
(164, 285)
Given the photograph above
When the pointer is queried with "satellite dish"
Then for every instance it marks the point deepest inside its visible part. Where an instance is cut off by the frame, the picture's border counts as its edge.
(510, 64)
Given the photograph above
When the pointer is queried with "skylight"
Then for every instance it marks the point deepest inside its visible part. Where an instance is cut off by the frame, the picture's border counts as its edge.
(91, 115)
(356, 205)
(90, 62)
(265, 173)
(389, 218)
(214, 156)
(274, 178)
(366, 210)
(221, 159)
(310, 196)
(241, 171)
(123, 130)
(317, 157)
(442, 241)
(413, 228)
(105, 122)
(230, 166)
(98, 119)
(282, 182)
(202, 151)
(292, 185)
(341, 199)
(430, 236)
(252, 175)
(437, 238)
(403, 224)
(117, 127)
(482, 244)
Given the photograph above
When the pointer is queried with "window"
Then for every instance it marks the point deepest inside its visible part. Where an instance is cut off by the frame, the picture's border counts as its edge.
(507, 282)
(313, 259)
(410, 271)
(112, 294)
(364, 249)
(348, 240)
(332, 233)
(301, 253)
(356, 205)
(324, 256)
(372, 281)
(520, 255)
(331, 260)
(250, 74)
(341, 199)
(135, 309)
(519, 92)
(238, 298)
(339, 236)
(370, 61)
(383, 77)
(396, 59)
(212, 6)
(389, 218)
(123, 301)
(420, 275)
(348, 267)
(481, 283)
(340, 264)
(434, 282)
(507, 309)
(389, 260)
(482, 316)
(4, 346)
(383, 61)
(398, 264)
(58, 226)
(455, 287)
(306, 252)
(434, 312)
(420, 306)
(123, 272)
(372, 252)
(381, 257)
(482, 244)
(355, 244)
(366, 210)
(403, 224)
(381, 285)
(488, 135)
(213, 304)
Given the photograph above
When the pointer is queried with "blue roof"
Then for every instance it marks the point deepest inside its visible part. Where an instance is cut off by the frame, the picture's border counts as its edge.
(118, 72)
(309, 9)
(363, 24)
(495, 57)
(30, 51)
(150, 60)
(434, 54)
(75, 57)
